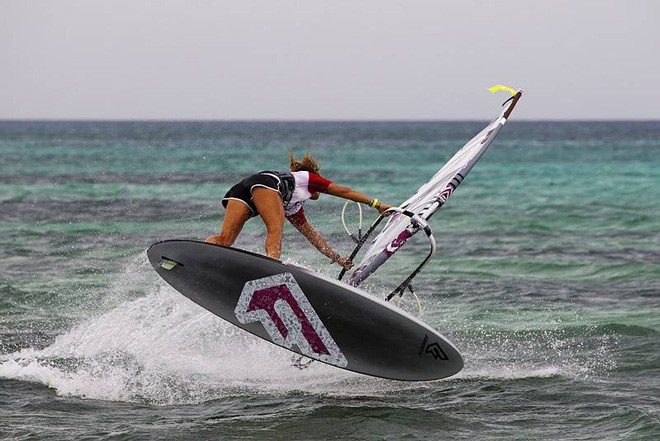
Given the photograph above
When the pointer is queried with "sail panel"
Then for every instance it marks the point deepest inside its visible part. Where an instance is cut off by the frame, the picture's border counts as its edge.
(430, 197)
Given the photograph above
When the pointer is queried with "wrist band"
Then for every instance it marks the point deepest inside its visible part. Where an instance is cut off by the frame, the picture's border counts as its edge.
(374, 203)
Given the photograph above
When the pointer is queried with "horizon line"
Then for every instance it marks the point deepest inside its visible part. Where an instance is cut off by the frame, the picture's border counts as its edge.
(308, 120)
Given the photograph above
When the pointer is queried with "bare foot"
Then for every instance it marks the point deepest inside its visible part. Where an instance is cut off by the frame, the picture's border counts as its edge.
(214, 240)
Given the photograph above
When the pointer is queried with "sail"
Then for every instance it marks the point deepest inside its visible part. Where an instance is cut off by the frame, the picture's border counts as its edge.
(430, 197)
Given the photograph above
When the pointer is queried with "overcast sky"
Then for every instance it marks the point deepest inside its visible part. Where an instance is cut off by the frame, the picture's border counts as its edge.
(339, 60)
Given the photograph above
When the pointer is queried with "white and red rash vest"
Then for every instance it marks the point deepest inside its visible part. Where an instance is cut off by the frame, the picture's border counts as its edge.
(306, 184)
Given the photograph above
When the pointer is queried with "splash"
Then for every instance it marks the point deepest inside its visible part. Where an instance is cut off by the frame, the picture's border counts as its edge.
(144, 342)
(162, 349)
(536, 343)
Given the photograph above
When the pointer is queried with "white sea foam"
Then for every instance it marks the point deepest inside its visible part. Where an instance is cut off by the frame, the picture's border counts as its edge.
(551, 352)
(161, 348)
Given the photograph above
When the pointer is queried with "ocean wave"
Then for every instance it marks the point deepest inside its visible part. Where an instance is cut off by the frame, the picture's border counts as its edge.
(105, 210)
(120, 178)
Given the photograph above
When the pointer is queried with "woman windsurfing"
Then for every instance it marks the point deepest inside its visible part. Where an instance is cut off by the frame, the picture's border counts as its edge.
(276, 196)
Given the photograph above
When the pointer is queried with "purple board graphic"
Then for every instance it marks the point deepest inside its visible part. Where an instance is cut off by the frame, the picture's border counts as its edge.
(281, 306)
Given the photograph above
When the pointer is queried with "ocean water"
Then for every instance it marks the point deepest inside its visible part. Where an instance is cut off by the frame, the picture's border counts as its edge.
(547, 279)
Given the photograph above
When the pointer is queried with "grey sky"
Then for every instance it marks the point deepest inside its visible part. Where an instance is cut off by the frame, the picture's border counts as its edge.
(313, 59)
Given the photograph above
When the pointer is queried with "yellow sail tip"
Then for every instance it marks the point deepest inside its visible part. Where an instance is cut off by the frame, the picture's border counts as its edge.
(504, 88)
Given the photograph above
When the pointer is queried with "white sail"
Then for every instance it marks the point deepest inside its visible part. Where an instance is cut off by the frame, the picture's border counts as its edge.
(430, 197)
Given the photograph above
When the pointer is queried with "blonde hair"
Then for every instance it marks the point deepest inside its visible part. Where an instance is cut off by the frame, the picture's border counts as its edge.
(307, 163)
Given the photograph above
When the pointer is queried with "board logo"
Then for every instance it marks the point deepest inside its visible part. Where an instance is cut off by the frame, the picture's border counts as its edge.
(432, 348)
(280, 305)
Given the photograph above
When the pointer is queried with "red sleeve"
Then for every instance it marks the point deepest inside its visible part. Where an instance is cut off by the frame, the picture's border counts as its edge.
(318, 183)
(298, 218)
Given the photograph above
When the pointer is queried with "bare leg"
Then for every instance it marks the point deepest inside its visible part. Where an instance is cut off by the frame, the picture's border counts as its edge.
(270, 208)
(236, 214)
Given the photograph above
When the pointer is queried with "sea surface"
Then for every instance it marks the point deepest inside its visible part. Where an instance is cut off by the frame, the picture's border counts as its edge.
(547, 280)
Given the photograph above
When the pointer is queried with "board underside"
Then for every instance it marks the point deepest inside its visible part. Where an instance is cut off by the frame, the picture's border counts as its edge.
(305, 312)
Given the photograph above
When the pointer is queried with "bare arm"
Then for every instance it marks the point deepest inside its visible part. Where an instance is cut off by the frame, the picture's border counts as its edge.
(318, 241)
(353, 195)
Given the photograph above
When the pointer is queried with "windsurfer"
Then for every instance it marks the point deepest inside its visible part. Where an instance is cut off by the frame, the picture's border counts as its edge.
(276, 196)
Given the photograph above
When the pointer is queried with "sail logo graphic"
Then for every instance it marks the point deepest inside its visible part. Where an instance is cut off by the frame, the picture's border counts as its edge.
(398, 242)
(280, 305)
(449, 189)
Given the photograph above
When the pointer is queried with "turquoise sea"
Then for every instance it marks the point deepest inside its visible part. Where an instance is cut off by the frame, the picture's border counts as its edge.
(547, 280)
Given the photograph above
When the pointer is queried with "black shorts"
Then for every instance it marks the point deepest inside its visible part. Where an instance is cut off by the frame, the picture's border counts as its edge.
(243, 190)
